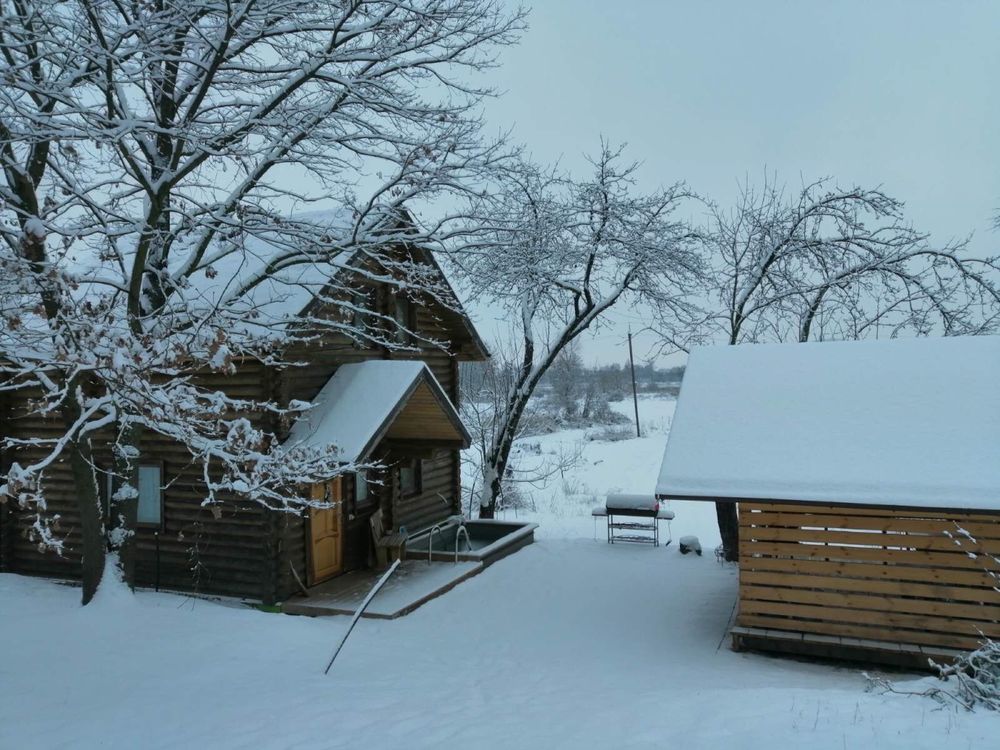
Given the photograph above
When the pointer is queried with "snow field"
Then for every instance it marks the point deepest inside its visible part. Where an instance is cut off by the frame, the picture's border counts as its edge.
(569, 643)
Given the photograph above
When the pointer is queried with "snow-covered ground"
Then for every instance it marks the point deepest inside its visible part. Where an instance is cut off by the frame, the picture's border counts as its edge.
(570, 643)
(563, 501)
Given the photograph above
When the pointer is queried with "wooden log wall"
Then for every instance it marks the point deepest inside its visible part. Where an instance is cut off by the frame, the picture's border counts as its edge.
(23, 555)
(7, 515)
(883, 574)
(245, 552)
(436, 500)
(441, 493)
(193, 550)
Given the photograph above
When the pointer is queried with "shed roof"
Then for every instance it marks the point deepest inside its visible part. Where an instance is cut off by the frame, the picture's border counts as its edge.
(367, 401)
(905, 422)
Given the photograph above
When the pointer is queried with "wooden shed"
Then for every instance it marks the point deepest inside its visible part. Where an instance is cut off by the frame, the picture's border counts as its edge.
(867, 478)
(392, 406)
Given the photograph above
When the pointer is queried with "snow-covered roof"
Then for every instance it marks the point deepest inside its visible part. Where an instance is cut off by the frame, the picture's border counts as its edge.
(281, 295)
(358, 405)
(905, 422)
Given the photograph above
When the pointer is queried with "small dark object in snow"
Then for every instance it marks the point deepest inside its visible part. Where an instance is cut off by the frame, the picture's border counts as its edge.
(690, 544)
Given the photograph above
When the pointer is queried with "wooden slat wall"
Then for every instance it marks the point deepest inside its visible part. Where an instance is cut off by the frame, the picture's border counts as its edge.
(882, 574)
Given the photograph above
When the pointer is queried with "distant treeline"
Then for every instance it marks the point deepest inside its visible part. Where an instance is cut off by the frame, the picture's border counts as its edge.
(611, 381)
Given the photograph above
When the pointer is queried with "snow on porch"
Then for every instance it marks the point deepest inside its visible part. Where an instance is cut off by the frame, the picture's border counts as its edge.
(414, 583)
(905, 422)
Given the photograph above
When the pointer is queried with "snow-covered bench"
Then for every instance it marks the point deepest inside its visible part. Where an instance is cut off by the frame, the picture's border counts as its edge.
(644, 514)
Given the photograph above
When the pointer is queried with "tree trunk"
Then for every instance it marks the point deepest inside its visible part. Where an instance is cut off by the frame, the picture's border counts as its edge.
(125, 510)
(499, 457)
(92, 539)
(491, 487)
(729, 521)
(729, 528)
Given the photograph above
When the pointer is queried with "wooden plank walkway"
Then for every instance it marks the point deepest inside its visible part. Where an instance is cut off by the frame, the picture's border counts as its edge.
(413, 584)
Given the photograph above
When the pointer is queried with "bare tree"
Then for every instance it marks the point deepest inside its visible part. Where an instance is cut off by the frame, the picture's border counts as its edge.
(152, 156)
(830, 263)
(566, 380)
(482, 411)
(561, 254)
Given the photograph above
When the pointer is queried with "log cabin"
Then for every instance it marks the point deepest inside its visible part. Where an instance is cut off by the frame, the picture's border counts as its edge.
(867, 479)
(396, 407)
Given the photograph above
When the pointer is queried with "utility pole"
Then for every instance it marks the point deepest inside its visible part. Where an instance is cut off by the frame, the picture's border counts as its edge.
(635, 398)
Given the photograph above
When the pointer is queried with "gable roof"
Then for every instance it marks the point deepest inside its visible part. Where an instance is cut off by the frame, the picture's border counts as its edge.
(905, 422)
(478, 348)
(312, 251)
(367, 401)
(284, 295)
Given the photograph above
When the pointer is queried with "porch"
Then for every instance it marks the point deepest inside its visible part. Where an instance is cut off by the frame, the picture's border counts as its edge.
(414, 583)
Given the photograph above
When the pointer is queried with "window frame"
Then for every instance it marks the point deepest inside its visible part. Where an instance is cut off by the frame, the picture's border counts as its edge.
(159, 466)
(363, 300)
(105, 489)
(418, 478)
(370, 499)
(405, 322)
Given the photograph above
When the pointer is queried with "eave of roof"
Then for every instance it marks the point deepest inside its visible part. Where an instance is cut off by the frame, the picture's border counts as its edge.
(359, 403)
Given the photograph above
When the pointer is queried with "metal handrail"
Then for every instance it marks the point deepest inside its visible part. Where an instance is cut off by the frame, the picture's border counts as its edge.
(468, 542)
(430, 541)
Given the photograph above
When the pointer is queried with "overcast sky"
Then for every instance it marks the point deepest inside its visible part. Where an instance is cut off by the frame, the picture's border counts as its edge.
(902, 95)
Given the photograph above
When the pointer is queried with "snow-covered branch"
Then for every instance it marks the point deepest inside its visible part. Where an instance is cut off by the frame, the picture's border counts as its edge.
(561, 253)
(823, 261)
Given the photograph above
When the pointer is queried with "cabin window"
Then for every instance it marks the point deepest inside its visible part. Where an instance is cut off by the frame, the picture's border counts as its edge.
(150, 510)
(403, 315)
(410, 477)
(362, 489)
(361, 319)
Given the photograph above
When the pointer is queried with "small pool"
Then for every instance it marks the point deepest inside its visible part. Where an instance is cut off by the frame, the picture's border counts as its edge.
(489, 541)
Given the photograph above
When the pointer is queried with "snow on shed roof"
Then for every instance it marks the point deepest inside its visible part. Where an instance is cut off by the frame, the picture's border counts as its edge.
(905, 422)
(357, 406)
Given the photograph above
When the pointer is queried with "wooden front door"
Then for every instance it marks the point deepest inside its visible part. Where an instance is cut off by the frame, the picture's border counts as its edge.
(326, 558)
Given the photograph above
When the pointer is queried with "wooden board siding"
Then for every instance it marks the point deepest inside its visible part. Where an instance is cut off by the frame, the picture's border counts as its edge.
(890, 575)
